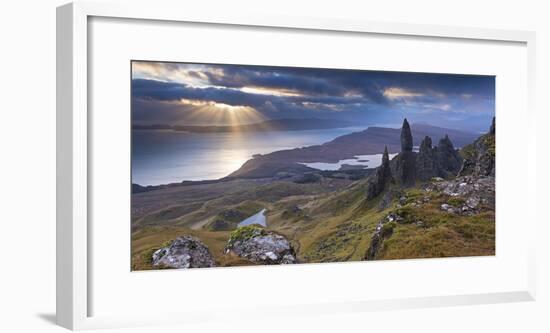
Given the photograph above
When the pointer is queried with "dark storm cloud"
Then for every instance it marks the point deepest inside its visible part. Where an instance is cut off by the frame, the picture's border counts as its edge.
(302, 92)
(337, 82)
(171, 91)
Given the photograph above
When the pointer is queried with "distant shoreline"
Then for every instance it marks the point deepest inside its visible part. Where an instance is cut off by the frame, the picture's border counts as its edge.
(264, 126)
(370, 141)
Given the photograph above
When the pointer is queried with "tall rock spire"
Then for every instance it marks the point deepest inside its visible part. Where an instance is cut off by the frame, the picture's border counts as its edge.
(426, 165)
(406, 137)
(404, 167)
(386, 169)
(383, 175)
(492, 129)
(386, 157)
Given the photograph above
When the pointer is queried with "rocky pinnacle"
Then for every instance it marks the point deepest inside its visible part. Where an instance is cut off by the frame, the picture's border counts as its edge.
(385, 158)
(406, 137)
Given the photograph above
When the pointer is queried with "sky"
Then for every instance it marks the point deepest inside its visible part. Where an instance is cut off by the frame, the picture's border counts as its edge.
(206, 94)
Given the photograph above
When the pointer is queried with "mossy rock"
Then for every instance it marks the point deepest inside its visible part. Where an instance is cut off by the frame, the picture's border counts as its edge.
(387, 229)
(246, 233)
(409, 214)
(148, 254)
(456, 201)
(468, 151)
(489, 141)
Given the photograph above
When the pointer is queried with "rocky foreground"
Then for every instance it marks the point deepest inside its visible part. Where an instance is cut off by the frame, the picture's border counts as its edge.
(183, 252)
(261, 246)
(470, 193)
(252, 243)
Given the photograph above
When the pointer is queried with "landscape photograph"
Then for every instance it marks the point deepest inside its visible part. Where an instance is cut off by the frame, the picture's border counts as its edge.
(240, 165)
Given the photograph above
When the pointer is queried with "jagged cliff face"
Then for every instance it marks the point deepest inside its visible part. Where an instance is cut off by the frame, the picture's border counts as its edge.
(408, 166)
(382, 177)
(442, 161)
(403, 168)
(426, 161)
(479, 157)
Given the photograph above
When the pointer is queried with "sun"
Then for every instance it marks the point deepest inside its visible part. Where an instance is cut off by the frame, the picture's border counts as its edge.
(223, 113)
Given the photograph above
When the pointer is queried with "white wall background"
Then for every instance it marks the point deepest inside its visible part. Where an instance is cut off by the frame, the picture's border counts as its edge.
(27, 167)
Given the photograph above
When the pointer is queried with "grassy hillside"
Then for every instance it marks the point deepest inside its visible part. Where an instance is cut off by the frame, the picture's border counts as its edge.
(328, 218)
(324, 224)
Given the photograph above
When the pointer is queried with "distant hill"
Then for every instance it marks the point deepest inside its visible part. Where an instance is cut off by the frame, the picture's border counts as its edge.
(370, 141)
(268, 125)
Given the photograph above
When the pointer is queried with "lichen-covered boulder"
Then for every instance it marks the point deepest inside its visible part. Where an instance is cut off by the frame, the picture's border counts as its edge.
(260, 246)
(183, 252)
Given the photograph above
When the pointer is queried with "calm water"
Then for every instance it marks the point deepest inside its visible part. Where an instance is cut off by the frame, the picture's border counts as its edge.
(162, 157)
(258, 218)
(367, 161)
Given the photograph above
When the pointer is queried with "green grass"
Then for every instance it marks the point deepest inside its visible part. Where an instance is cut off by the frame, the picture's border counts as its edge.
(229, 218)
(456, 201)
(149, 239)
(442, 235)
(333, 223)
(246, 232)
(489, 141)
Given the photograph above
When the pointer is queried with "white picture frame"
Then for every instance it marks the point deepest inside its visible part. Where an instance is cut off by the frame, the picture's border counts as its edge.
(73, 285)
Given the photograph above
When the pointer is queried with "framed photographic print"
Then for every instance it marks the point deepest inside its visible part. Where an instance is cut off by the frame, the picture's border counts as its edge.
(346, 165)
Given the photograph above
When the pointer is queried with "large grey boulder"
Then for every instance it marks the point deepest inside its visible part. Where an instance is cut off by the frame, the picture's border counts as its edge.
(184, 252)
(260, 246)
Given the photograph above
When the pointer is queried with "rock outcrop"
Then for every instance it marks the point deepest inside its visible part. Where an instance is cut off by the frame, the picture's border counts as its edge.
(470, 193)
(426, 165)
(479, 157)
(441, 161)
(448, 159)
(184, 252)
(406, 137)
(408, 166)
(260, 246)
(381, 177)
(403, 166)
(384, 229)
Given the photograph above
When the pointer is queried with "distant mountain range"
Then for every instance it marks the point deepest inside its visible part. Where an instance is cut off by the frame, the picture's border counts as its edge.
(268, 125)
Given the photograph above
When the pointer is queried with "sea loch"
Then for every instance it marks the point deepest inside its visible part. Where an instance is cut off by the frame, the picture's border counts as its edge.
(163, 157)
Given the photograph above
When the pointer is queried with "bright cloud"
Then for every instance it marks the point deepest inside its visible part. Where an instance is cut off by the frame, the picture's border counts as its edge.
(399, 93)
